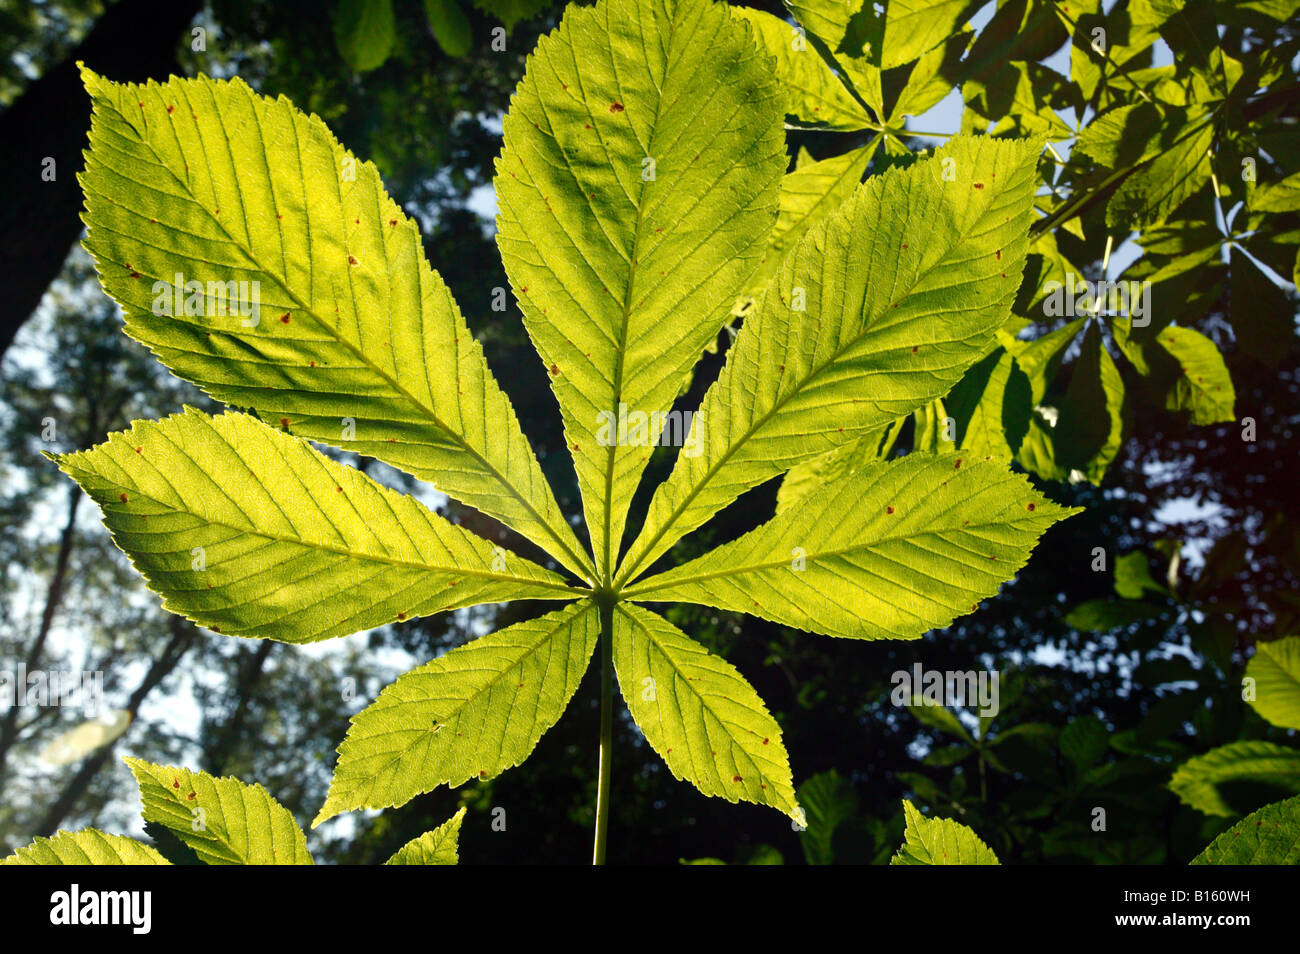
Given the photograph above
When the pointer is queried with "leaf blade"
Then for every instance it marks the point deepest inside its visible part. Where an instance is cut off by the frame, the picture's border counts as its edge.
(889, 552)
(211, 508)
(420, 718)
(225, 821)
(700, 705)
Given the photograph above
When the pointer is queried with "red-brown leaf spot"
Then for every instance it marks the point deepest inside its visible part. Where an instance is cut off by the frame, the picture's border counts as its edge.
(616, 107)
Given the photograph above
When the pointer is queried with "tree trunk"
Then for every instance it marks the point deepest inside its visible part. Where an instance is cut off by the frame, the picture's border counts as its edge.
(183, 634)
(216, 754)
(9, 724)
(39, 221)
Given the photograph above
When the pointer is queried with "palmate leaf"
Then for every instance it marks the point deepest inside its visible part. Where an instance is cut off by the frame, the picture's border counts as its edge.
(472, 713)
(890, 551)
(1270, 836)
(86, 847)
(904, 287)
(940, 841)
(225, 821)
(356, 342)
(699, 714)
(252, 532)
(637, 186)
(437, 847)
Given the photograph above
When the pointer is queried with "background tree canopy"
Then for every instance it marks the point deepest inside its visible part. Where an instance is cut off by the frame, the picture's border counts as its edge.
(1173, 160)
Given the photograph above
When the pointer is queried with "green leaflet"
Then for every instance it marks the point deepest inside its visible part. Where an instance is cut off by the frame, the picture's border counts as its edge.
(827, 799)
(86, 847)
(1202, 386)
(1270, 836)
(1102, 616)
(1154, 191)
(1084, 741)
(832, 23)
(437, 847)
(815, 94)
(449, 25)
(991, 406)
(931, 79)
(903, 287)
(354, 342)
(913, 27)
(252, 532)
(808, 195)
(225, 821)
(1282, 196)
(802, 479)
(1210, 782)
(890, 552)
(1133, 579)
(940, 841)
(365, 31)
(1275, 667)
(1090, 429)
(472, 713)
(637, 187)
(705, 721)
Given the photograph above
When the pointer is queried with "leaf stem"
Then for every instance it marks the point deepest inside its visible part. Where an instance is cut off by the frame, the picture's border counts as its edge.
(606, 726)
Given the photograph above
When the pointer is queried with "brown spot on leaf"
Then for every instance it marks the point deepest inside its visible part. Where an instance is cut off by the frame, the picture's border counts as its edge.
(284, 319)
(1032, 506)
(616, 107)
(352, 260)
(122, 497)
(889, 510)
